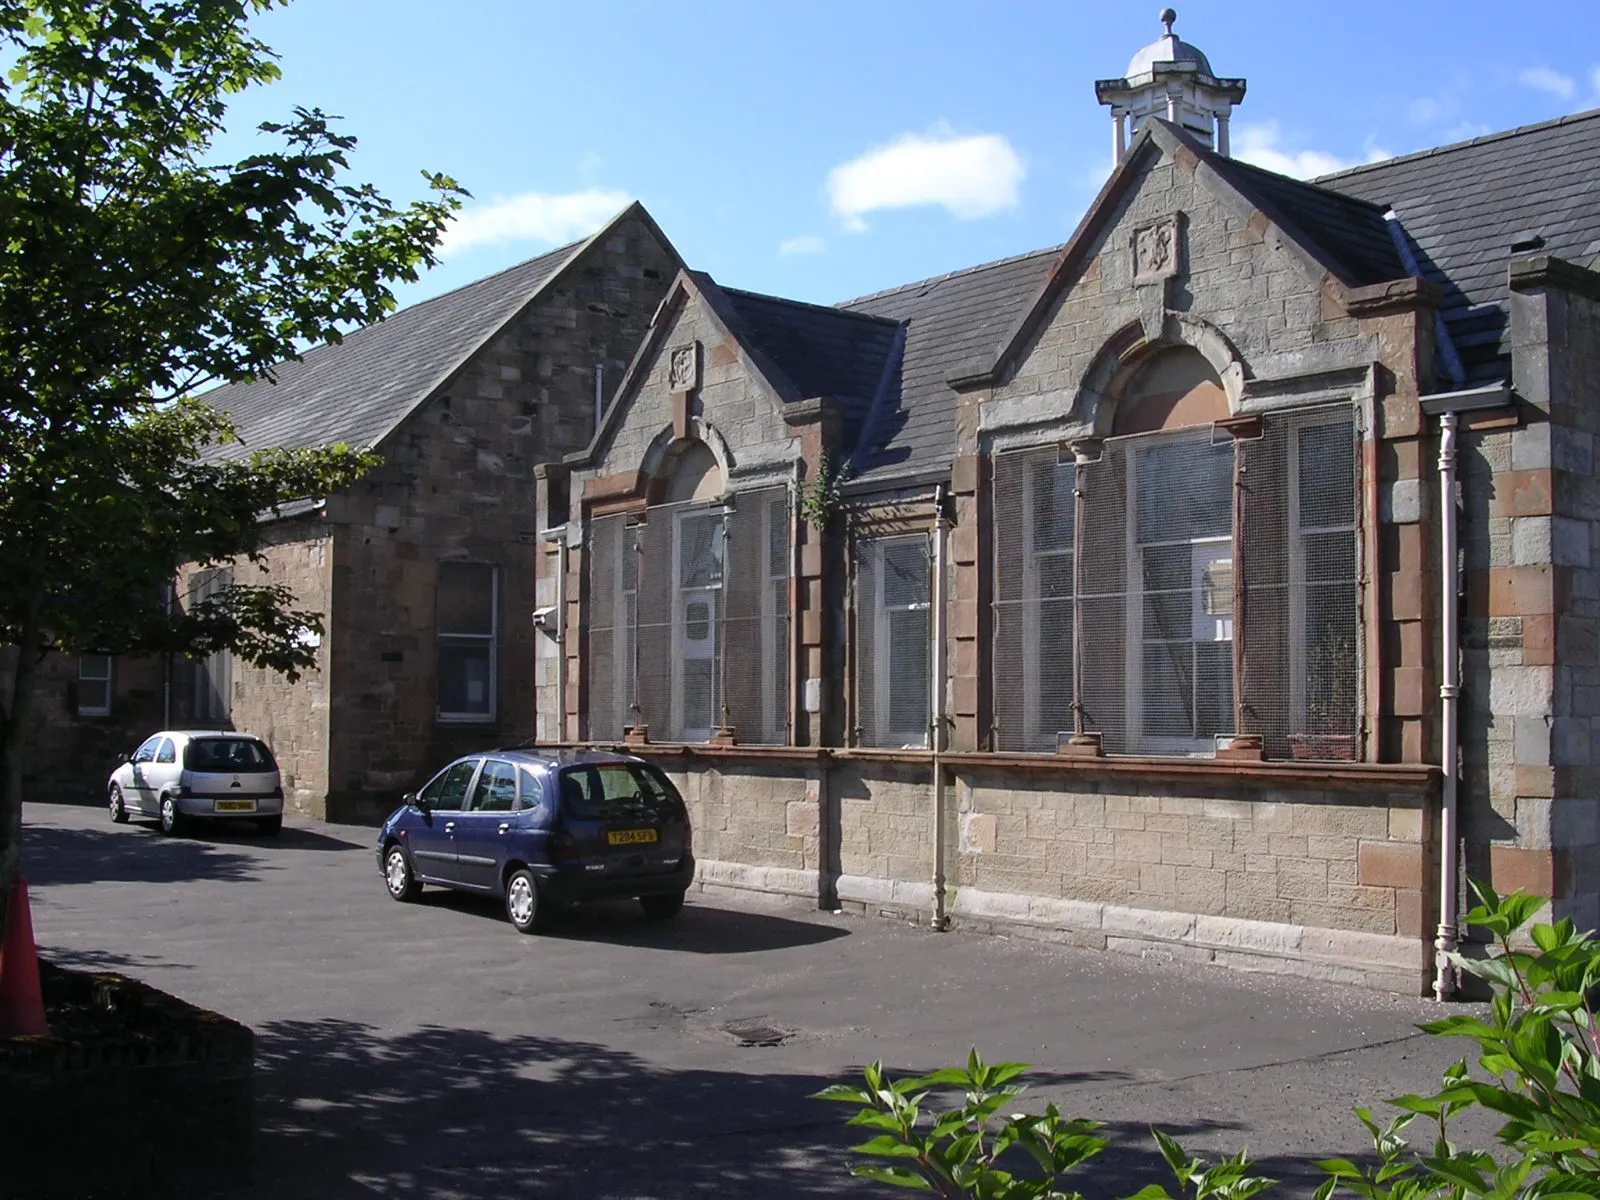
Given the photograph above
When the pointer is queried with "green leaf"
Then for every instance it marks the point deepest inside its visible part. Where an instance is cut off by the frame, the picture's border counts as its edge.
(887, 1146)
(894, 1176)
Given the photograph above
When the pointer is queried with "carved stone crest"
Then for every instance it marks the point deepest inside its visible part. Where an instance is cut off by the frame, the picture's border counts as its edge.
(683, 368)
(1156, 251)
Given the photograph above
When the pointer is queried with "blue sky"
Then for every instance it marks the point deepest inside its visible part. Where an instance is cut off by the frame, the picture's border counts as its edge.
(824, 149)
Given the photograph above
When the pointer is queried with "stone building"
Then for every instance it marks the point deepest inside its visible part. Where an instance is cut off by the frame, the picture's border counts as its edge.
(1221, 584)
(424, 569)
(1136, 620)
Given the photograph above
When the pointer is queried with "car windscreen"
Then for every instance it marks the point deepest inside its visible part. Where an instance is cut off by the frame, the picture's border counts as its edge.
(617, 792)
(236, 755)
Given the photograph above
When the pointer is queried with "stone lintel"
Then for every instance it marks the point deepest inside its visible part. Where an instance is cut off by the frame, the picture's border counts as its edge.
(1397, 295)
(1546, 272)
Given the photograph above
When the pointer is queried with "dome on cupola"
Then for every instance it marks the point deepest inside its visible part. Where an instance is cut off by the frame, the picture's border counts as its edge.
(1170, 79)
(1168, 48)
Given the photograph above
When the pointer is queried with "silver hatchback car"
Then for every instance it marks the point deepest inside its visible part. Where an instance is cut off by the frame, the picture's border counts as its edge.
(181, 775)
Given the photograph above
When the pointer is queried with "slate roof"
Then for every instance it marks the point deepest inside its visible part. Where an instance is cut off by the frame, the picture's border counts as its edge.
(823, 351)
(357, 390)
(1463, 205)
(1347, 233)
(952, 320)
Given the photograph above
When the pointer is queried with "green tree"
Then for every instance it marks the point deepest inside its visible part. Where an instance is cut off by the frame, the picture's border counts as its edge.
(137, 270)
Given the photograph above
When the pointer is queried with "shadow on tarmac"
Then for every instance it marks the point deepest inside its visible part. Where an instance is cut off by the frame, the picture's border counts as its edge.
(347, 1112)
(698, 929)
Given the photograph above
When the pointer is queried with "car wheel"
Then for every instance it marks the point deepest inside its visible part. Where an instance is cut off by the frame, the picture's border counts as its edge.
(119, 808)
(663, 906)
(271, 826)
(522, 900)
(397, 876)
(173, 822)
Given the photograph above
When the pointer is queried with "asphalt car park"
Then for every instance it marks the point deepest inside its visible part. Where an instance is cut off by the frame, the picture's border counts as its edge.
(428, 1049)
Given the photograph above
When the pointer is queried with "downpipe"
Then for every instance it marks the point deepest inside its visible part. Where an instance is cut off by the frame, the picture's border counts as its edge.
(1445, 981)
(940, 684)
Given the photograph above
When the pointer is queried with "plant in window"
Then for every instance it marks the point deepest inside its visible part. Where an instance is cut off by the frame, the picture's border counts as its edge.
(1330, 704)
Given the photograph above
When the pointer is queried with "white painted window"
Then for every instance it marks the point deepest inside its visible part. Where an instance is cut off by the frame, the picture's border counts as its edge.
(468, 615)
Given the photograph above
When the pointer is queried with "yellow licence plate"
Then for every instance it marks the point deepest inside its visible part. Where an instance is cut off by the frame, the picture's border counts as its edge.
(236, 806)
(629, 837)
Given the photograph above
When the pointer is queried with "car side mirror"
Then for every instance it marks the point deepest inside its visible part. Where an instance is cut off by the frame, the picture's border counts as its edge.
(414, 801)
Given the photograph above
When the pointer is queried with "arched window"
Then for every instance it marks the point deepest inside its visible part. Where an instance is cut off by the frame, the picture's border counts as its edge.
(1175, 389)
(688, 610)
(1187, 580)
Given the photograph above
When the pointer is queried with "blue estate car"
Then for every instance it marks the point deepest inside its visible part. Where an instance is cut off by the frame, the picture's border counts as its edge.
(542, 830)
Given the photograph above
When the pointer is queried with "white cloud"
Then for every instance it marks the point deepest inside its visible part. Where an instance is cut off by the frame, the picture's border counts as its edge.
(1545, 79)
(1429, 110)
(532, 217)
(1262, 146)
(970, 177)
(1466, 131)
(807, 244)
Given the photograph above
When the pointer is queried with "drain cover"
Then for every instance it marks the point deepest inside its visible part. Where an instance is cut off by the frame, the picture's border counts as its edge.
(756, 1033)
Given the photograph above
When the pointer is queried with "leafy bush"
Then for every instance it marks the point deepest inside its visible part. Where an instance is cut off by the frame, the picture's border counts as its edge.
(1538, 1067)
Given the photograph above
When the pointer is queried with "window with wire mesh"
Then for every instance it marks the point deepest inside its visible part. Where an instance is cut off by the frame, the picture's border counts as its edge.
(1034, 503)
(607, 649)
(756, 617)
(1301, 623)
(893, 621)
(1167, 664)
(467, 616)
(689, 620)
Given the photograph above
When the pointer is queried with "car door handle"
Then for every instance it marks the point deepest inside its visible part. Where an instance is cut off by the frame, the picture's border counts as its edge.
(449, 826)
(504, 825)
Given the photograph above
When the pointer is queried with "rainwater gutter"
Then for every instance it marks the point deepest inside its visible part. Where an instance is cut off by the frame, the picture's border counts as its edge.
(1448, 407)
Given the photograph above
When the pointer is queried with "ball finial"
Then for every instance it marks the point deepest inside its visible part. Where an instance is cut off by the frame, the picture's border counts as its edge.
(1169, 17)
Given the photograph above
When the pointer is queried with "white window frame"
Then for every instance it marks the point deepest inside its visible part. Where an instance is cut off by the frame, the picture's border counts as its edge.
(443, 637)
(107, 681)
(883, 649)
(1299, 650)
(1133, 666)
(681, 597)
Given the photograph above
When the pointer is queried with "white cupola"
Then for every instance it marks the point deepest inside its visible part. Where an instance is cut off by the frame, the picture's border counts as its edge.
(1170, 79)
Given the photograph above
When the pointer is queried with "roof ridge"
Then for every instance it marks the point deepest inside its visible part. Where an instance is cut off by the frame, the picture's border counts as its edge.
(932, 279)
(834, 310)
(1569, 119)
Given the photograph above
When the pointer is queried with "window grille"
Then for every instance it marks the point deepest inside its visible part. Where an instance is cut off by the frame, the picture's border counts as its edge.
(689, 620)
(756, 624)
(894, 656)
(1034, 498)
(1302, 595)
(1165, 664)
(94, 685)
(613, 579)
(467, 617)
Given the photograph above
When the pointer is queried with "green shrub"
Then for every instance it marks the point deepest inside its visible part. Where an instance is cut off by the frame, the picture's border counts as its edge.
(1538, 1067)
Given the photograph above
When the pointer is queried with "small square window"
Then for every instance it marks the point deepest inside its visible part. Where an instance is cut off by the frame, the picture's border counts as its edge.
(94, 685)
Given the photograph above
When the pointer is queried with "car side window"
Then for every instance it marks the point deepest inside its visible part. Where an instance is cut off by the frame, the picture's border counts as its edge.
(448, 788)
(147, 752)
(497, 788)
(531, 788)
(166, 754)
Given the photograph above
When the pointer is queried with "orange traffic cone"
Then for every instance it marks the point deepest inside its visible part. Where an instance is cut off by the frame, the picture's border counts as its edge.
(21, 1002)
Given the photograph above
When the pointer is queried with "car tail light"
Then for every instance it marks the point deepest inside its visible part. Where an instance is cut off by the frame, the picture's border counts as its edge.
(275, 794)
(563, 848)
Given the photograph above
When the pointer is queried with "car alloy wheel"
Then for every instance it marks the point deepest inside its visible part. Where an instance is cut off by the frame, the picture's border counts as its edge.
(171, 819)
(397, 876)
(119, 809)
(522, 900)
